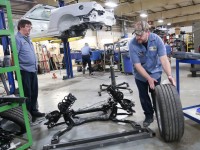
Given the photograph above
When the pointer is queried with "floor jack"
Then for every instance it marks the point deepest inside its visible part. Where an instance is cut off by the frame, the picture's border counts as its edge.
(109, 112)
(110, 51)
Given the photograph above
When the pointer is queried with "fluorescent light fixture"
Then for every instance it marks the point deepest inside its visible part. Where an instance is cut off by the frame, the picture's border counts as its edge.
(160, 21)
(169, 24)
(111, 4)
(143, 15)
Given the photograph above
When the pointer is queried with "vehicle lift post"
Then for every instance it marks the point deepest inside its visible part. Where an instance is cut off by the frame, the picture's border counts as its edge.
(67, 55)
(5, 43)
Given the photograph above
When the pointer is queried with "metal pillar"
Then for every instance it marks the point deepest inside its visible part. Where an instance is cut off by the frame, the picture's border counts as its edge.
(61, 3)
(7, 56)
(67, 55)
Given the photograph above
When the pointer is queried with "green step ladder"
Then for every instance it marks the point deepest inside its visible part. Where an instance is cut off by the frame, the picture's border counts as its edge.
(10, 32)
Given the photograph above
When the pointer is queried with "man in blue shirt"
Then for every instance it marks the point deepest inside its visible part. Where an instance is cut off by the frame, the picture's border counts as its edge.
(85, 51)
(28, 67)
(148, 55)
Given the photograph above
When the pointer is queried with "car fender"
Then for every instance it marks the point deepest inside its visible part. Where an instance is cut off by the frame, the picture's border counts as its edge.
(63, 23)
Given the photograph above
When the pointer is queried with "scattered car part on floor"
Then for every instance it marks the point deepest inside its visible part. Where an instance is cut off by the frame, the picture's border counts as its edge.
(169, 112)
(5, 139)
(109, 109)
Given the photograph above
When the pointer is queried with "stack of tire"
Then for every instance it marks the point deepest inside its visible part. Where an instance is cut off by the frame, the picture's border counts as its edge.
(16, 116)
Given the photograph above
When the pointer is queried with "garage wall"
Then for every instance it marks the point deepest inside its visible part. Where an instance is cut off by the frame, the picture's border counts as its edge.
(196, 31)
(187, 29)
(53, 48)
(89, 38)
(97, 39)
(104, 37)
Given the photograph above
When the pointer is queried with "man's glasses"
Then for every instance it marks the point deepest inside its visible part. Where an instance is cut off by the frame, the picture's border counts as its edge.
(139, 35)
(28, 26)
(138, 32)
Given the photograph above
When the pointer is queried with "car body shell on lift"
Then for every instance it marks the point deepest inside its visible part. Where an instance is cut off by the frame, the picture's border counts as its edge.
(68, 21)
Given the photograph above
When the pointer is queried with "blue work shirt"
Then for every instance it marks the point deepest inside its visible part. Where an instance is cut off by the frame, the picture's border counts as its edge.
(168, 49)
(85, 50)
(148, 58)
(26, 53)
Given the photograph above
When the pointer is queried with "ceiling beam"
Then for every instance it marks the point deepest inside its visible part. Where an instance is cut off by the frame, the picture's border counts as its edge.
(146, 5)
(189, 10)
(151, 11)
(163, 8)
(183, 24)
(48, 2)
(178, 5)
(18, 12)
(193, 2)
(181, 20)
(24, 1)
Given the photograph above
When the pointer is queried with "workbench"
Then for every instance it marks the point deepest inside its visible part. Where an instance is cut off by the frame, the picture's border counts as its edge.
(190, 111)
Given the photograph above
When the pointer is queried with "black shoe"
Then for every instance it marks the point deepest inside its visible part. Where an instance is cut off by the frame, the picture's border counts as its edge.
(37, 114)
(33, 119)
(91, 74)
(147, 121)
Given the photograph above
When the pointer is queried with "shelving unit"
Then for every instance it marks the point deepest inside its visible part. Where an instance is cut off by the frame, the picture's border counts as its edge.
(178, 42)
(10, 33)
(189, 41)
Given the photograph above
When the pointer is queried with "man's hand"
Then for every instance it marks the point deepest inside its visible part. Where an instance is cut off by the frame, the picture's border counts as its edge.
(151, 82)
(171, 80)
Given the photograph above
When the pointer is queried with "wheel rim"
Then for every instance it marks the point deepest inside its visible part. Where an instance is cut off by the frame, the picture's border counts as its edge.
(11, 127)
(158, 116)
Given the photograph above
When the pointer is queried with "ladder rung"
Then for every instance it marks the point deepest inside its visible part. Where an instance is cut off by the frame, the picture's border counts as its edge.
(8, 69)
(4, 33)
(3, 3)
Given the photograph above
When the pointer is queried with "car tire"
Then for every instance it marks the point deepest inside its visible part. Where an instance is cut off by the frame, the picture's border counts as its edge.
(16, 116)
(169, 113)
(73, 33)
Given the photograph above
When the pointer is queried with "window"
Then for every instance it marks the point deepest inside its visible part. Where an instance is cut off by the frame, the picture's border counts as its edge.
(40, 13)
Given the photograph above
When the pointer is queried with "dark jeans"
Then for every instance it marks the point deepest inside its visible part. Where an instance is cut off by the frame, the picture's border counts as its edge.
(143, 88)
(30, 86)
(86, 60)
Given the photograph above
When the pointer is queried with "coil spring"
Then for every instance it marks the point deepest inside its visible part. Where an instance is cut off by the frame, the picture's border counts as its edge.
(66, 103)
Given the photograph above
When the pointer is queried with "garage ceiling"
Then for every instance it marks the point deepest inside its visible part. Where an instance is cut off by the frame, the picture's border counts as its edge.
(177, 12)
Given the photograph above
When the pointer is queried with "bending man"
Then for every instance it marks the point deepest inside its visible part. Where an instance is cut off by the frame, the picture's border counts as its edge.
(148, 55)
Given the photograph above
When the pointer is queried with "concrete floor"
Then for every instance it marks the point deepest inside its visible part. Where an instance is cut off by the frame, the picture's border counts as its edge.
(85, 87)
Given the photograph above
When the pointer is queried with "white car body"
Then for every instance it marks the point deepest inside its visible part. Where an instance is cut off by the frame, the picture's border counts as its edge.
(68, 21)
(123, 44)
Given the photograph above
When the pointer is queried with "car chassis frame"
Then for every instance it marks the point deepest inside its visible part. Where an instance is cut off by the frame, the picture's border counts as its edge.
(109, 109)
